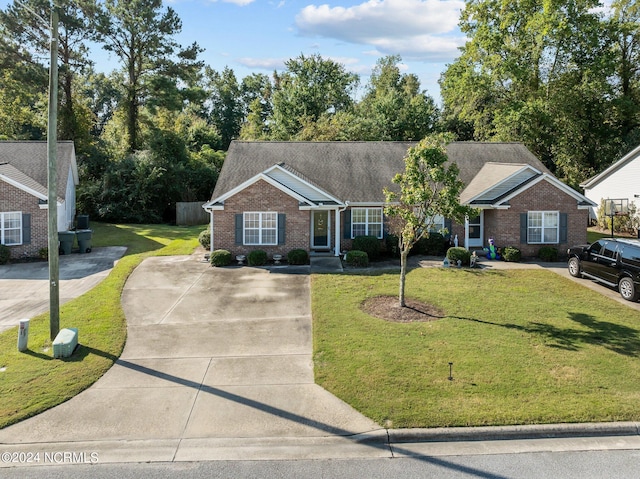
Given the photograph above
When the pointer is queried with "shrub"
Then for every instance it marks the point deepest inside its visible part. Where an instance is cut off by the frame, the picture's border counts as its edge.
(205, 239)
(432, 245)
(459, 253)
(257, 257)
(368, 244)
(43, 253)
(220, 257)
(511, 254)
(5, 254)
(357, 258)
(391, 246)
(297, 256)
(548, 253)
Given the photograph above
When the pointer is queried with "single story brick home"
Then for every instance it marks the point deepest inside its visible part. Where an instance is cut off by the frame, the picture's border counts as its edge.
(318, 196)
(24, 194)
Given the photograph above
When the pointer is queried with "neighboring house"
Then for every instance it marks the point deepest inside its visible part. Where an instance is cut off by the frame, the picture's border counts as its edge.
(24, 195)
(318, 196)
(620, 181)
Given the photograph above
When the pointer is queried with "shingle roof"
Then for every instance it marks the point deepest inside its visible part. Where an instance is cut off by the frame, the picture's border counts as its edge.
(30, 158)
(355, 171)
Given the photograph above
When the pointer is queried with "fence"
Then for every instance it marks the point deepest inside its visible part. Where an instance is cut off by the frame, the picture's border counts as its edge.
(191, 213)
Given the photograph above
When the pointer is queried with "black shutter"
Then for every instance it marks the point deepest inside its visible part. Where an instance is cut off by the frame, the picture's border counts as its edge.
(347, 224)
(449, 226)
(523, 228)
(26, 228)
(564, 227)
(239, 225)
(282, 227)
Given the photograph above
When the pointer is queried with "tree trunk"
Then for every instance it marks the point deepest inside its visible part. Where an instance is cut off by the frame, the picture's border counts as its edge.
(404, 254)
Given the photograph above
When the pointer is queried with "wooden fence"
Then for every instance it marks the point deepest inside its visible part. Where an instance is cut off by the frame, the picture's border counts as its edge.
(191, 213)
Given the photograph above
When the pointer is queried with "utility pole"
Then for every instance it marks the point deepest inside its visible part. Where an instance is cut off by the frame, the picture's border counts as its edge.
(52, 180)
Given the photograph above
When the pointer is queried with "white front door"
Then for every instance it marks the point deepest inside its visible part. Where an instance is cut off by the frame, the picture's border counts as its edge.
(475, 231)
(320, 230)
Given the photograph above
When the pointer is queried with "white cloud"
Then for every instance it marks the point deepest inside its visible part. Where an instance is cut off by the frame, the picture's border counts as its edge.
(240, 3)
(263, 63)
(421, 29)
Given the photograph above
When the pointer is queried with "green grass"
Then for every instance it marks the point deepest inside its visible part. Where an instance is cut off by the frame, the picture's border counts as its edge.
(527, 346)
(33, 381)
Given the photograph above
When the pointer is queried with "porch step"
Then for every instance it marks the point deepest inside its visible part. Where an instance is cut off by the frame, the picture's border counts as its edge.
(325, 264)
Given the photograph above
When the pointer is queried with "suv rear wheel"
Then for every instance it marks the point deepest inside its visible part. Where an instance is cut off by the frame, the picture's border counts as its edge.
(574, 267)
(628, 289)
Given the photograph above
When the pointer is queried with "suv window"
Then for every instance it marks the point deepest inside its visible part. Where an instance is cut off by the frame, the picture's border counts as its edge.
(631, 255)
(609, 250)
(595, 247)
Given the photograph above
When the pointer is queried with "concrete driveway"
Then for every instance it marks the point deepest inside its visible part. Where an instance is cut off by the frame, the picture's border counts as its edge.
(217, 365)
(24, 287)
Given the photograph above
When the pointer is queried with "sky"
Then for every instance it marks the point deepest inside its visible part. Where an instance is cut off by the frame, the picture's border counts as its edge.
(258, 36)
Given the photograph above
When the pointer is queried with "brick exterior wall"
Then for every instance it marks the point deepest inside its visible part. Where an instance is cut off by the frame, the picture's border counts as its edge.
(504, 225)
(261, 196)
(501, 225)
(13, 199)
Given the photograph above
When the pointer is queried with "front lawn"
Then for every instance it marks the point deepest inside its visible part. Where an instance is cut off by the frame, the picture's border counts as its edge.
(33, 381)
(527, 346)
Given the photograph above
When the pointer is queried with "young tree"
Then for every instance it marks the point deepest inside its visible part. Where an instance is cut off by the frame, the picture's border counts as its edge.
(429, 187)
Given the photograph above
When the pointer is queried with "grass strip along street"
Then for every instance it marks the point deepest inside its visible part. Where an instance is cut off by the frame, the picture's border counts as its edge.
(527, 346)
(33, 381)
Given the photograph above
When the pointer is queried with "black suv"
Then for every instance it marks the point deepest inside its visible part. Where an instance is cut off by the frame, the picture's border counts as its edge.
(614, 262)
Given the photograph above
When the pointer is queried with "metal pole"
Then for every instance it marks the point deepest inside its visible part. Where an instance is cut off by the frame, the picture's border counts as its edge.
(52, 179)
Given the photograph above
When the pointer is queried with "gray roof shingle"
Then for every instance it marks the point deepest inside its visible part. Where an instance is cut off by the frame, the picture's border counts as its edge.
(356, 171)
(30, 158)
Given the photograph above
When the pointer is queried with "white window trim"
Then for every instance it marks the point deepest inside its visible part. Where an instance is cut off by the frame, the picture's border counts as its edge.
(2, 228)
(367, 222)
(542, 241)
(260, 228)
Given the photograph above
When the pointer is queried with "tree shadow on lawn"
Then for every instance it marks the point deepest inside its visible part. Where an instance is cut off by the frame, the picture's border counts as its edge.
(614, 337)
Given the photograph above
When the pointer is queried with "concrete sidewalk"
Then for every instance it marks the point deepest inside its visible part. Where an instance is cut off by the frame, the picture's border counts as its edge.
(218, 366)
(24, 287)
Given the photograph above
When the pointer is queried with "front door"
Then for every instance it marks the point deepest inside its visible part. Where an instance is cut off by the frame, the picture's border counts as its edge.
(476, 231)
(320, 233)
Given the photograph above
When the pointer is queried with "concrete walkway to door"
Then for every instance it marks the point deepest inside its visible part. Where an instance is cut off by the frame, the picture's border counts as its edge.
(217, 365)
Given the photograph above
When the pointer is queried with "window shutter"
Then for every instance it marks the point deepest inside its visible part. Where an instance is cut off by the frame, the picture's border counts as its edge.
(282, 222)
(523, 228)
(347, 224)
(564, 227)
(26, 228)
(448, 225)
(239, 228)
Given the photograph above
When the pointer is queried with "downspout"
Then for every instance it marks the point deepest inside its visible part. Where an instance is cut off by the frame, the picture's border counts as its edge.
(211, 231)
(466, 232)
(338, 229)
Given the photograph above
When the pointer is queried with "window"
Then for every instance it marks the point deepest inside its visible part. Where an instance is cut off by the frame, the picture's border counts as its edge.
(366, 222)
(261, 228)
(11, 228)
(543, 227)
(438, 224)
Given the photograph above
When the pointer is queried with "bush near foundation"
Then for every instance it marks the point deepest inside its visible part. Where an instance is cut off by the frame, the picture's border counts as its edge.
(357, 258)
(257, 257)
(511, 254)
(548, 253)
(204, 239)
(459, 253)
(368, 244)
(220, 257)
(297, 257)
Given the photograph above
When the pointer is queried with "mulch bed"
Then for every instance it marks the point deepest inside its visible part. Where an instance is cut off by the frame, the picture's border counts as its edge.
(388, 308)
